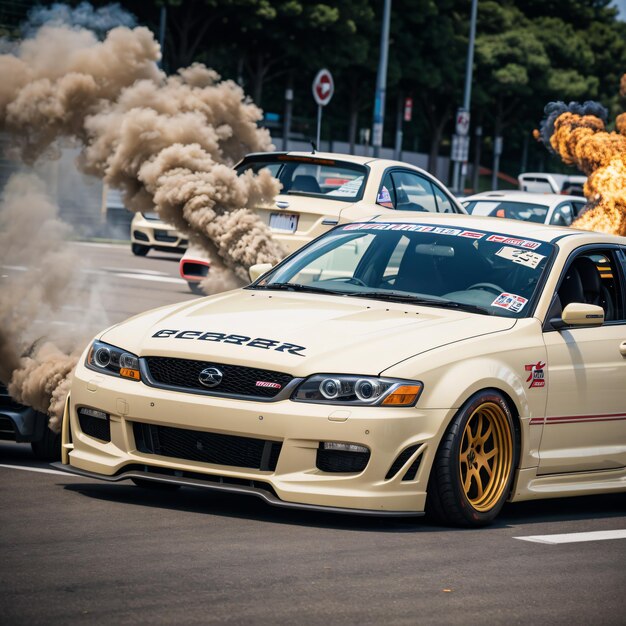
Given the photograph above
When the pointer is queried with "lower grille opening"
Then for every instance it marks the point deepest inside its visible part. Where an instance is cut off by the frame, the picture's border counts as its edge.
(205, 447)
(96, 427)
(164, 236)
(221, 480)
(195, 269)
(402, 458)
(341, 461)
(137, 234)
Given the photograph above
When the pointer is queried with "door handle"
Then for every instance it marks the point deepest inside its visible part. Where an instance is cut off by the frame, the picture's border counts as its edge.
(622, 348)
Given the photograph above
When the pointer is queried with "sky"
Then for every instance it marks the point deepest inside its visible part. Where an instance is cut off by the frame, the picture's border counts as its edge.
(621, 5)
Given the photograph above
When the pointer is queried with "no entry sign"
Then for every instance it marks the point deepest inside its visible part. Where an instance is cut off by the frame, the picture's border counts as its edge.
(323, 87)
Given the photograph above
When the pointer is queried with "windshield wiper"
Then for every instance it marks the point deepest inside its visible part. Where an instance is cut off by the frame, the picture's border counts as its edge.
(295, 287)
(392, 296)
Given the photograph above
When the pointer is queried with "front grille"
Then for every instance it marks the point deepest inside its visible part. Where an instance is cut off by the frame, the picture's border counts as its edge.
(341, 461)
(163, 236)
(7, 430)
(242, 381)
(204, 447)
(95, 426)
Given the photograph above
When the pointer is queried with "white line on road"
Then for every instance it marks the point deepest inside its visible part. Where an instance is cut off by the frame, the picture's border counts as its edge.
(598, 535)
(26, 468)
(158, 279)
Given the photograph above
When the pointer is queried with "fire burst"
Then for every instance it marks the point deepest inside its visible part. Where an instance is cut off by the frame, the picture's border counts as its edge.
(577, 133)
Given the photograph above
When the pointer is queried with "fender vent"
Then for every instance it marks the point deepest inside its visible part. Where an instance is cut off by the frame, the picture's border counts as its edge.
(403, 457)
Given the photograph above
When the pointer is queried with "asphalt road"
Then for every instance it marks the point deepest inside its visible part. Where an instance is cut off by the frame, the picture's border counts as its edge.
(78, 551)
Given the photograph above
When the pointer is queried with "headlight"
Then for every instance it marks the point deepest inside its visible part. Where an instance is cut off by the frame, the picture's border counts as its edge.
(111, 360)
(358, 390)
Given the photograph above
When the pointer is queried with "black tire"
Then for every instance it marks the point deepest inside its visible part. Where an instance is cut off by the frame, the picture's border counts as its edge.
(154, 485)
(475, 464)
(195, 288)
(48, 448)
(138, 250)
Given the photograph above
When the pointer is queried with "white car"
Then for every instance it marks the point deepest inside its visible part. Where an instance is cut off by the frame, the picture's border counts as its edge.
(547, 208)
(148, 232)
(321, 190)
(541, 182)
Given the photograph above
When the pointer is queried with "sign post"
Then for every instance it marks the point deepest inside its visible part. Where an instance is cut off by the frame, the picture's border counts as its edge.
(460, 141)
(323, 89)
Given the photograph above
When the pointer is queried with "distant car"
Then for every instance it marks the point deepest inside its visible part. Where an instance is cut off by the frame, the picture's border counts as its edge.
(549, 208)
(392, 366)
(540, 182)
(320, 190)
(23, 424)
(147, 232)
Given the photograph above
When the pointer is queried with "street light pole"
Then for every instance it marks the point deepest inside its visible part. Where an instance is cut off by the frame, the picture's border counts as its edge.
(467, 93)
(381, 81)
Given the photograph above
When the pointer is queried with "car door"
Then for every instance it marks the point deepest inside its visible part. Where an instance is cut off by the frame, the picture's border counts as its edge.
(585, 424)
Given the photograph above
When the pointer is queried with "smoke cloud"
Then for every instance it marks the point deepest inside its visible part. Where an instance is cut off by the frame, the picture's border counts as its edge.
(40, 339)
(167, 142)
(577, 133)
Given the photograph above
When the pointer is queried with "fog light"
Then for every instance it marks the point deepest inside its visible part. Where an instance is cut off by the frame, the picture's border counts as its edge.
(101, 415)
(344, 447)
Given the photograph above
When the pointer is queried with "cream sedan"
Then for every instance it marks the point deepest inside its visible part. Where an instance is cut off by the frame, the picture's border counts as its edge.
(321, 190)
(390, 367)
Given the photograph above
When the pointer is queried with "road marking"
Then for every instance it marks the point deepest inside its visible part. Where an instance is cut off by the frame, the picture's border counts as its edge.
(26, 468)
(158, 279)
(115, 270)
(597, 535)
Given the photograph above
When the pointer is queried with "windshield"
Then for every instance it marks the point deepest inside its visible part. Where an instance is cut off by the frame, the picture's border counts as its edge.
(308, 176)
(529, 211)
(479, 271)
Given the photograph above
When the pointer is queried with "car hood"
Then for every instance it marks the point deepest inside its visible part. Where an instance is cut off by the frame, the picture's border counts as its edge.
(298, 333)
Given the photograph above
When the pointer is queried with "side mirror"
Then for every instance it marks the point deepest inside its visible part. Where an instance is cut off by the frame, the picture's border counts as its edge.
(258, 270)
(579, 314)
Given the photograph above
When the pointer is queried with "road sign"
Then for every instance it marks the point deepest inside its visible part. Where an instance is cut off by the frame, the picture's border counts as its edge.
(408, 109)
(460, 148)
(323, 87)
(462, 122)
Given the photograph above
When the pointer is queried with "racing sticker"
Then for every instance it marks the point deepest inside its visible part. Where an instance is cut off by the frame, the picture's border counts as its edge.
(527, 258)
(512, 241)
(384, 198)
(510, 302)
(417, 228)
(536, 376)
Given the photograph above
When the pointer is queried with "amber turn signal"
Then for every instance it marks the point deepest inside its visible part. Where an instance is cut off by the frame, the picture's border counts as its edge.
(405, 395)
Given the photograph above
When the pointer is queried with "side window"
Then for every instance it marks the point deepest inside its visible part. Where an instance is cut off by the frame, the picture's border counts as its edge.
(578, 207)
(386, 193)
(593, 277)
(444, 204)
(563, 215)
(413, 193)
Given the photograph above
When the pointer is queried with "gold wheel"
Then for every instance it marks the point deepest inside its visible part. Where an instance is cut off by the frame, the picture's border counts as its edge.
(486, 456)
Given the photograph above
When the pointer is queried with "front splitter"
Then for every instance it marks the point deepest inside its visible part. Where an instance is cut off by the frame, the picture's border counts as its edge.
(220, 484)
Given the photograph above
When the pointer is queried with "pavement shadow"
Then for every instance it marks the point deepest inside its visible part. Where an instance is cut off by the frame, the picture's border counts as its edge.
(244, 507)
(249, 507)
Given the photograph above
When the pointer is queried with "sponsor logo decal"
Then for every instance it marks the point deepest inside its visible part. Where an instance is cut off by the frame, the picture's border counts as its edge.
(536, 377)
(237, 340)
(512, 241)
(210, 377)
(265, 383)
(510, 302)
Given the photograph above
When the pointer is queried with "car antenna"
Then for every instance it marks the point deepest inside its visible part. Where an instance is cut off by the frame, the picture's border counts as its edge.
(313, 147)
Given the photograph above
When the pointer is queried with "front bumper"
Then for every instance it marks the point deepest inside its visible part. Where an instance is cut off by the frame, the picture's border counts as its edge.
(161, 238)
(294, 481)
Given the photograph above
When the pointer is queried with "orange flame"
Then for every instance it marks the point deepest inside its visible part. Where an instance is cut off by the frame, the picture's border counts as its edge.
(583, 141)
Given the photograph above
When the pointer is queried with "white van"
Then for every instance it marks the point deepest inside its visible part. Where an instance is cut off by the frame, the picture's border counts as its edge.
(540, 182)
